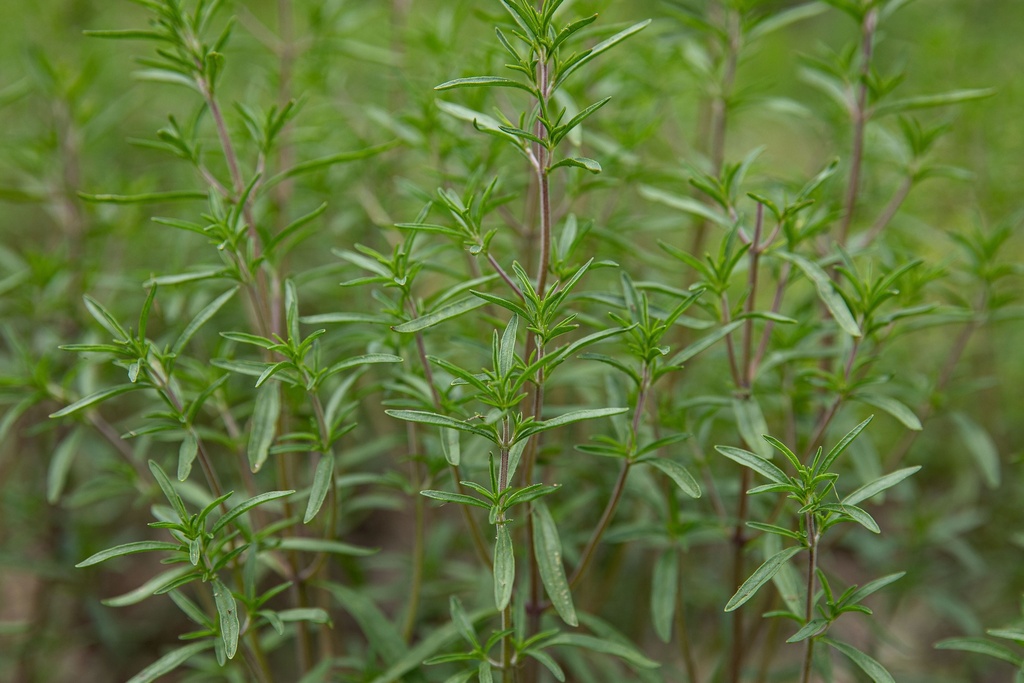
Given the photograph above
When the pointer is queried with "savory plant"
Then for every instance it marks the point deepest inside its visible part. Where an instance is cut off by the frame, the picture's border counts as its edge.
(572, 300)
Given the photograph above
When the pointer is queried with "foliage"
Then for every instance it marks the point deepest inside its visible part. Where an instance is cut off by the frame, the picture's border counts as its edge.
(510, 340)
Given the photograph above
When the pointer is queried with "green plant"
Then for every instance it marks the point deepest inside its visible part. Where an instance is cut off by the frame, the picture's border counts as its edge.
(495, 450)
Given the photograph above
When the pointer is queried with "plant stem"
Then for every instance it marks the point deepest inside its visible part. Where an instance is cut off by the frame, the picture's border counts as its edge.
(812, 567)
(860, 115)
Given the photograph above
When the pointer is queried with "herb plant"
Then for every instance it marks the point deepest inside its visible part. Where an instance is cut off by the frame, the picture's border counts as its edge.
(515, 340)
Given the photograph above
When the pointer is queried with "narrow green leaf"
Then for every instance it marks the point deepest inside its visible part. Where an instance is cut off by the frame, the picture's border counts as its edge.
(928, 101)
(826, 464)
(600, 48)
(677, 473)
(425, 417)
(783, 18)
(826, 292)
(330, 160)
(754, 462)
(752, 425)
(181, 278)
(323, 477)
(578, 162)
(483, 82)
(382, 635)
(685, 204)
(481, 121)
(704, 343)
(775, 529)
(549, 663)
(60, 465)
(320, 545)
(450, 446)
(168, 489)
(761, 576)
(868, 665)
(127, 549)
(664, 588)
(334, 318)
(147, 198)
(862, 518)
(105, 318)
(264, 425)
(459, 498)
(980, 445)
(170, 661)
(228, 612)
(895, 408)
(93, 399)
(187, 454)
(548, 549)
(814, 627)
(462, 622)
(604, 646)
(982, 646)
(246, 505)
(149, 588)
(504, 568)
(568, 418)
(201, 319)
(873, 587)
(878, 485)
(507, 348)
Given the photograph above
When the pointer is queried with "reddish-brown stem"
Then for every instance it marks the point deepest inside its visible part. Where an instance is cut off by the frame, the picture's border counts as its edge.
(860, 115)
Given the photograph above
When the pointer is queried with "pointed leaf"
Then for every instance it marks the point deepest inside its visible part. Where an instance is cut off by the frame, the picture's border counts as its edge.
(677, 473)
(127, 549)
(578, 162)
(60, 465)
(323, 478)
(872, 668)
(609, 647)
(264, 425)
(246, 505)
(877, 486)
(201, 318)
(980, 445)
(187, 454)
(93, 399)
(761, 576)
(664, 588)
(548, 549)
(504, 568)
(895, 408)
(754, 462)
(320, 545)
(483, 82)
(228, 612)
(452, 310)
(982, 647)
(170, 661)
(826, 292)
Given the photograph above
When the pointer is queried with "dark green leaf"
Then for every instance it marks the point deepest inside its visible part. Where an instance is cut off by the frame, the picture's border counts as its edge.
(323, 478)
(504, 568)
(866, 664)
(93, 399)
(127, 549)
(664, 587)
(761, 576)
(548, 550)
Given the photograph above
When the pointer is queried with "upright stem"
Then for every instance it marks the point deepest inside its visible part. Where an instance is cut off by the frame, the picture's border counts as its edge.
(812, 579)
(860, 117)
(719, 111)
